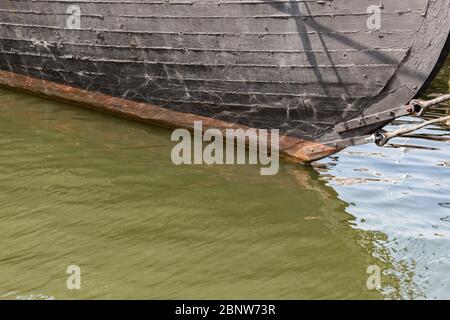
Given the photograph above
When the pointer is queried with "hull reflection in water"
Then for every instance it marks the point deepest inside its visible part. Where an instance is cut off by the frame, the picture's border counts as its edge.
(403, 190)
(83, 188)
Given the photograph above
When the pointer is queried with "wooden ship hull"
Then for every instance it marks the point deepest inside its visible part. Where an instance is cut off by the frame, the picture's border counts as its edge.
(316, 70)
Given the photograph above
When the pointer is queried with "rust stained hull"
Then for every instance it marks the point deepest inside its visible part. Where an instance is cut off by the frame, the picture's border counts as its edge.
(314, 71)
(291, 148)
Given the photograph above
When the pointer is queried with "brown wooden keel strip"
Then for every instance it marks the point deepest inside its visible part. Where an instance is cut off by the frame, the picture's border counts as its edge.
(291, 148)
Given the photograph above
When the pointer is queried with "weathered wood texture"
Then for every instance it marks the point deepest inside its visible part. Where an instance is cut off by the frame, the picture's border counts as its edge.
(291, 148)
(299, 66)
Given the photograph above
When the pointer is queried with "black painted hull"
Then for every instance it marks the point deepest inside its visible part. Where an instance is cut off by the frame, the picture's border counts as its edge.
(306, 68)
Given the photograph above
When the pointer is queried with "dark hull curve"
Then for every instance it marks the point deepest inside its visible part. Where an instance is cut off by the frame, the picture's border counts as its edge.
(309, 68)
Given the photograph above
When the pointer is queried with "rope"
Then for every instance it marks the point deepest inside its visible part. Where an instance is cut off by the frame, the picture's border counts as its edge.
(382, 137)
(424, 104)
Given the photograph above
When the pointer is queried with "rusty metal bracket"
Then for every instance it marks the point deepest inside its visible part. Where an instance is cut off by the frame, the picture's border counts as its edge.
(384, 116)
(416, 108)
(355, 141)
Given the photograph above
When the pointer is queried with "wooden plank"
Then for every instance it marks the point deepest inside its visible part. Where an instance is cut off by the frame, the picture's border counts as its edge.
(291, 148)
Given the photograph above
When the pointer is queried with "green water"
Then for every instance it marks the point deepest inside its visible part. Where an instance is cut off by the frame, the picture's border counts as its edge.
(87, 189)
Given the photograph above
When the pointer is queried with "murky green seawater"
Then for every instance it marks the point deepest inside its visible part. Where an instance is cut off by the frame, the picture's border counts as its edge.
(82, 188)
